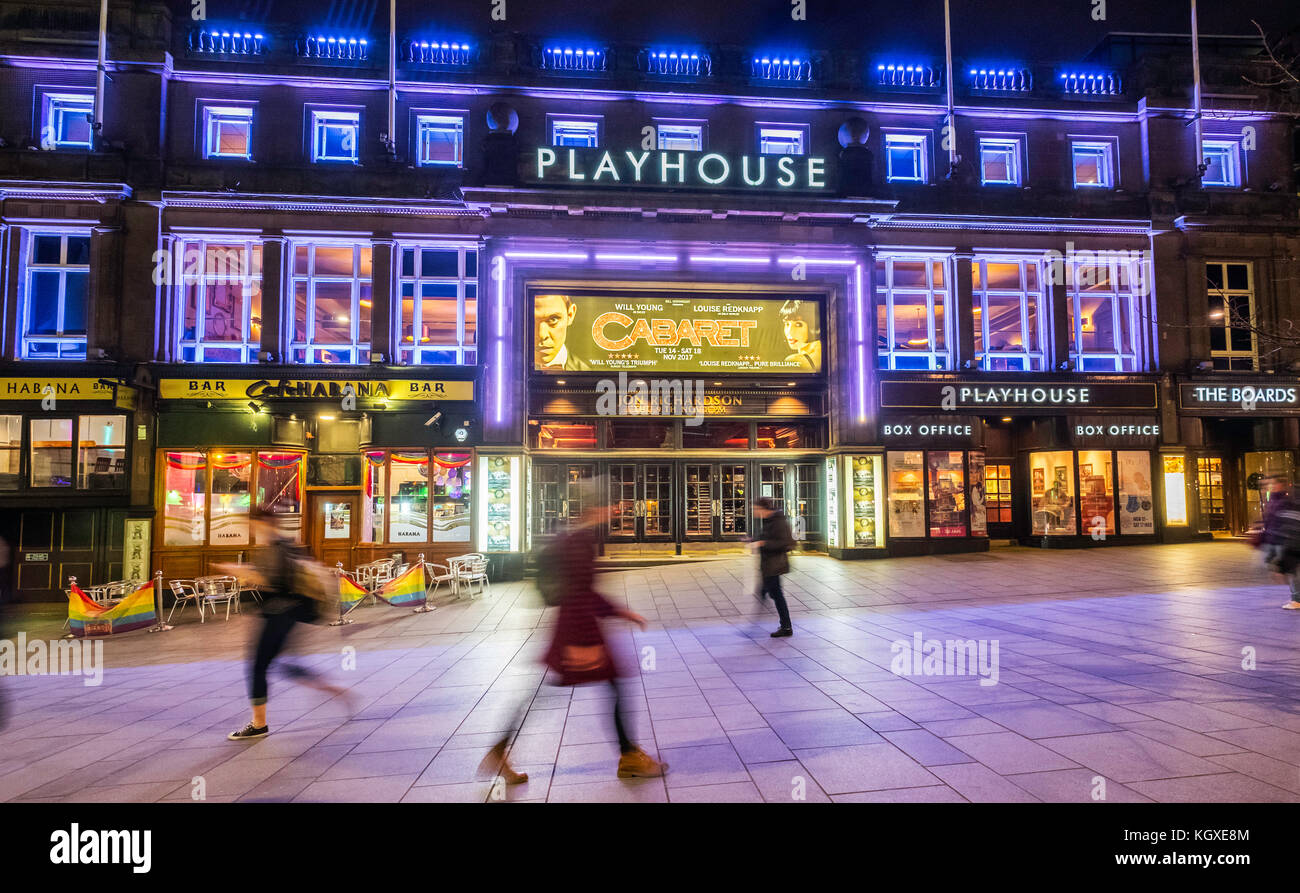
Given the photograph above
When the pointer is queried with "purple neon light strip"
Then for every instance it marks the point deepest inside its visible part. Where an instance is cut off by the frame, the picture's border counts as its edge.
(639, 258)
(718, 259)
(817, 261)
(501, 340)
(547, 255)
(862, 347)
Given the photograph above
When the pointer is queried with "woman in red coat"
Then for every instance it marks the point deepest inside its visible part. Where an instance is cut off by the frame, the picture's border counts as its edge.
(579, 653)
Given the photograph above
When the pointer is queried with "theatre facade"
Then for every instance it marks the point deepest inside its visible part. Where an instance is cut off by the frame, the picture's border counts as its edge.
(442, 317)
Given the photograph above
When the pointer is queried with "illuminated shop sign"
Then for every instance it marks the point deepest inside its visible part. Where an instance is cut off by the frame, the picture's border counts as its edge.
(312, 389)
(927, 429)
(58, 388)
(1259, 398)
(703, 170)
(693, 334)
(1116, 430)
(1023, 396)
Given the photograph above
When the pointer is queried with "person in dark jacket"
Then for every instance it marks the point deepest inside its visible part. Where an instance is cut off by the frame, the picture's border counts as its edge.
(578, 651)
(774, 559)
(1280, 537)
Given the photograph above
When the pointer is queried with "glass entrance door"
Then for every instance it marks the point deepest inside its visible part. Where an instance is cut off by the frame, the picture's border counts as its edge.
(641, 502)
(718, 501)
(558, 492)
(1209, 480)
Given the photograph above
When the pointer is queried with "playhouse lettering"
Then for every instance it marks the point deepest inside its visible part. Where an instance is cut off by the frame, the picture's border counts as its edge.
(650, 168)
(1004, 396)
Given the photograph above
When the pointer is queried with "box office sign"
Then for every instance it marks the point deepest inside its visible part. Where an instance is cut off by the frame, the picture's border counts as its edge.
(312, 389)
(699, 170)
(658, 397)
(1113, 430)
(1024, 397)
(1253, 398)
(704, 334)
(59, 388)
(932, 430)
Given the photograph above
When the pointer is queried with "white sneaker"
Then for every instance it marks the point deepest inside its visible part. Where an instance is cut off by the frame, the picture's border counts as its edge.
(1291, 606)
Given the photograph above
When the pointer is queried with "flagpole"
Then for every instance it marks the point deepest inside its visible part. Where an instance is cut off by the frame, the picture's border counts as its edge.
(157, 605)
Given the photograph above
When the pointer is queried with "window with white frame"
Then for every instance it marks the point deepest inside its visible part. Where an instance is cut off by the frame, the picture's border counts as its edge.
(227, 131)
(1093, 164)
(1231, 290)
(783, 139)
(912, 313)
(577, 133)
(439, 291)
(999, 161)
(336, 135)
(440, 140)
(56, 284)
(1007, 301)
(905, 158)
(1105, 297)
(220, 294)
(683, 137)
(65, 120)
(331, 302)
(1222, 160)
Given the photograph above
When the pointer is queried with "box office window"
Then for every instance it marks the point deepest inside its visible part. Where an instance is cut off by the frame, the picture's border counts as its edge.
(1104, 300)
(912, 315)
(1114, 492)
(55, 290)
(1007, 302)
(559, 435)
(331, 302)
(439, 292)
(1096, 491)
(946, 480)
(936, 493)
(415, 496)
(1231, 291)
(1051, 487)
(208, 495)
(219, 288)
(11, 452)
(906, 499)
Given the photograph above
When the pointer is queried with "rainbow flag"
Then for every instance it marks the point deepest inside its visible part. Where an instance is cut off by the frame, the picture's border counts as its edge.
(408, 589)
(86, 617)
(349, 592)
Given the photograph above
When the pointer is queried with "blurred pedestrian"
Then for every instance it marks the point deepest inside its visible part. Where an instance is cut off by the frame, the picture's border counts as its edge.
(5, 564)
(578, 651)
(1280, 537)
(282, 571)
(774, 559)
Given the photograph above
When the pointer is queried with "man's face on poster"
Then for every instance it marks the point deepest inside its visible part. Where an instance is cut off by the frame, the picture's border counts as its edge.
(552, 316)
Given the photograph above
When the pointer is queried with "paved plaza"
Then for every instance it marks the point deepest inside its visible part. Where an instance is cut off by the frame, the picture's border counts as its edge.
(1128, 664)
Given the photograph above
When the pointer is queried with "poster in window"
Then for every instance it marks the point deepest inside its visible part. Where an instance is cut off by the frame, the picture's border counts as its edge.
(907, 493)
(978, 512)
(338, 520)
(947, 493)
(1136, 500)
(451, 497)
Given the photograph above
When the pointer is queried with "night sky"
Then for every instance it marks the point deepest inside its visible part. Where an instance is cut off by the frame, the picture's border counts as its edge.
(992, 30)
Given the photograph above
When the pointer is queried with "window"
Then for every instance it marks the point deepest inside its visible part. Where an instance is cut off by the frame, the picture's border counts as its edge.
(65, 120)
(905, 158)
(336, 135)
(51, 453)
(912, 313)
(1231, 290)
(439, 289)
(237, 480)
(227, 132)
(1093, 164)
(783, 139)
(1006, 324)
(220, 295)
(11, 452)
(57, 281)
(685, 137)
(1051, 488)
(997, 492)
(101, 452)
(999, 161)
(429, 495)
(441, 140)
(576, 133)
(331, 303)
(1104, 300)
(1222, 160)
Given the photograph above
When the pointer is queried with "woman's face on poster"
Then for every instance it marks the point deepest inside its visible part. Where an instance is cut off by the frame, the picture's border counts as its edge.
(796, 333)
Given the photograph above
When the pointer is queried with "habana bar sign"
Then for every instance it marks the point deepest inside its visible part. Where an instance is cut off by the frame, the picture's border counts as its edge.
(712, 170)
(58, 388)
(312, 389)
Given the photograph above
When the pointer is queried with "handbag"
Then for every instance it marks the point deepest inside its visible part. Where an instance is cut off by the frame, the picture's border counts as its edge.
(583, 658)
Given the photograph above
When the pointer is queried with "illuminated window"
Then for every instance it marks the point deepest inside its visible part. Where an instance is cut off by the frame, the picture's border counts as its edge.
(999, 161)
(101, 452)
(1093, 164)
(783, 139)
(1231, 291)
(905, 158)
(55, 293)
(1222, 160)
(439, 289)
(582, 133)
(227, 132)
(997, 491)
(65, 120)
(441, 140)
(11, 451)
(336, 135)
(208, 496)
(912, 313)
(427, 496)
(685, 137)
(1007, 297)
(218, 285)
(331, 302)
(1104, 300)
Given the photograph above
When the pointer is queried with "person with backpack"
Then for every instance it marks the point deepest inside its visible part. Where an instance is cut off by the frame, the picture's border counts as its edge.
(578, 652)
(774, 559)
(1280, 537)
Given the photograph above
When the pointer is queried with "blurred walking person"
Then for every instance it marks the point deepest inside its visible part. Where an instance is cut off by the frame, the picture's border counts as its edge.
(578, 652)
(1280, 536)
(774, 559)
(5, 569)
(279, 574)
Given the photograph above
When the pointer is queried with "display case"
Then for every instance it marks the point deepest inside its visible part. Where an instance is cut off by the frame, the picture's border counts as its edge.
(946, 477)
(906, 493)
(501, 506)
(832, 504)
(863, 479)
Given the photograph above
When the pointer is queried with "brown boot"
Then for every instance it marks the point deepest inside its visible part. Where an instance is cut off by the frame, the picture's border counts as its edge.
(639, 764)
(495, 763)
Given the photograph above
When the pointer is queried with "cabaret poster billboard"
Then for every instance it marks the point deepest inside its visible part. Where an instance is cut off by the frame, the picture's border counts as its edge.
(576, 331)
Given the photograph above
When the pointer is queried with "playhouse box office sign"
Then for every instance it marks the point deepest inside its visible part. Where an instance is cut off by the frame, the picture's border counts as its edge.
(559, 165)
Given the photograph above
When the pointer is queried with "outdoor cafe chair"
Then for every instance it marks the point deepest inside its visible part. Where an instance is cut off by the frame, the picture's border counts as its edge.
(471, 572)
(184, 591)
(220, 589)
(438, 575)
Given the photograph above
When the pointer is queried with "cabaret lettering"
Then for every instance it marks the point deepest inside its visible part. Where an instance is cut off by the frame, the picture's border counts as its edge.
(651, 168)
(667, 332)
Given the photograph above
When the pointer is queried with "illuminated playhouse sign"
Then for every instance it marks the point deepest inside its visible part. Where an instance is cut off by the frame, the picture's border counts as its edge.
(572, 166)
